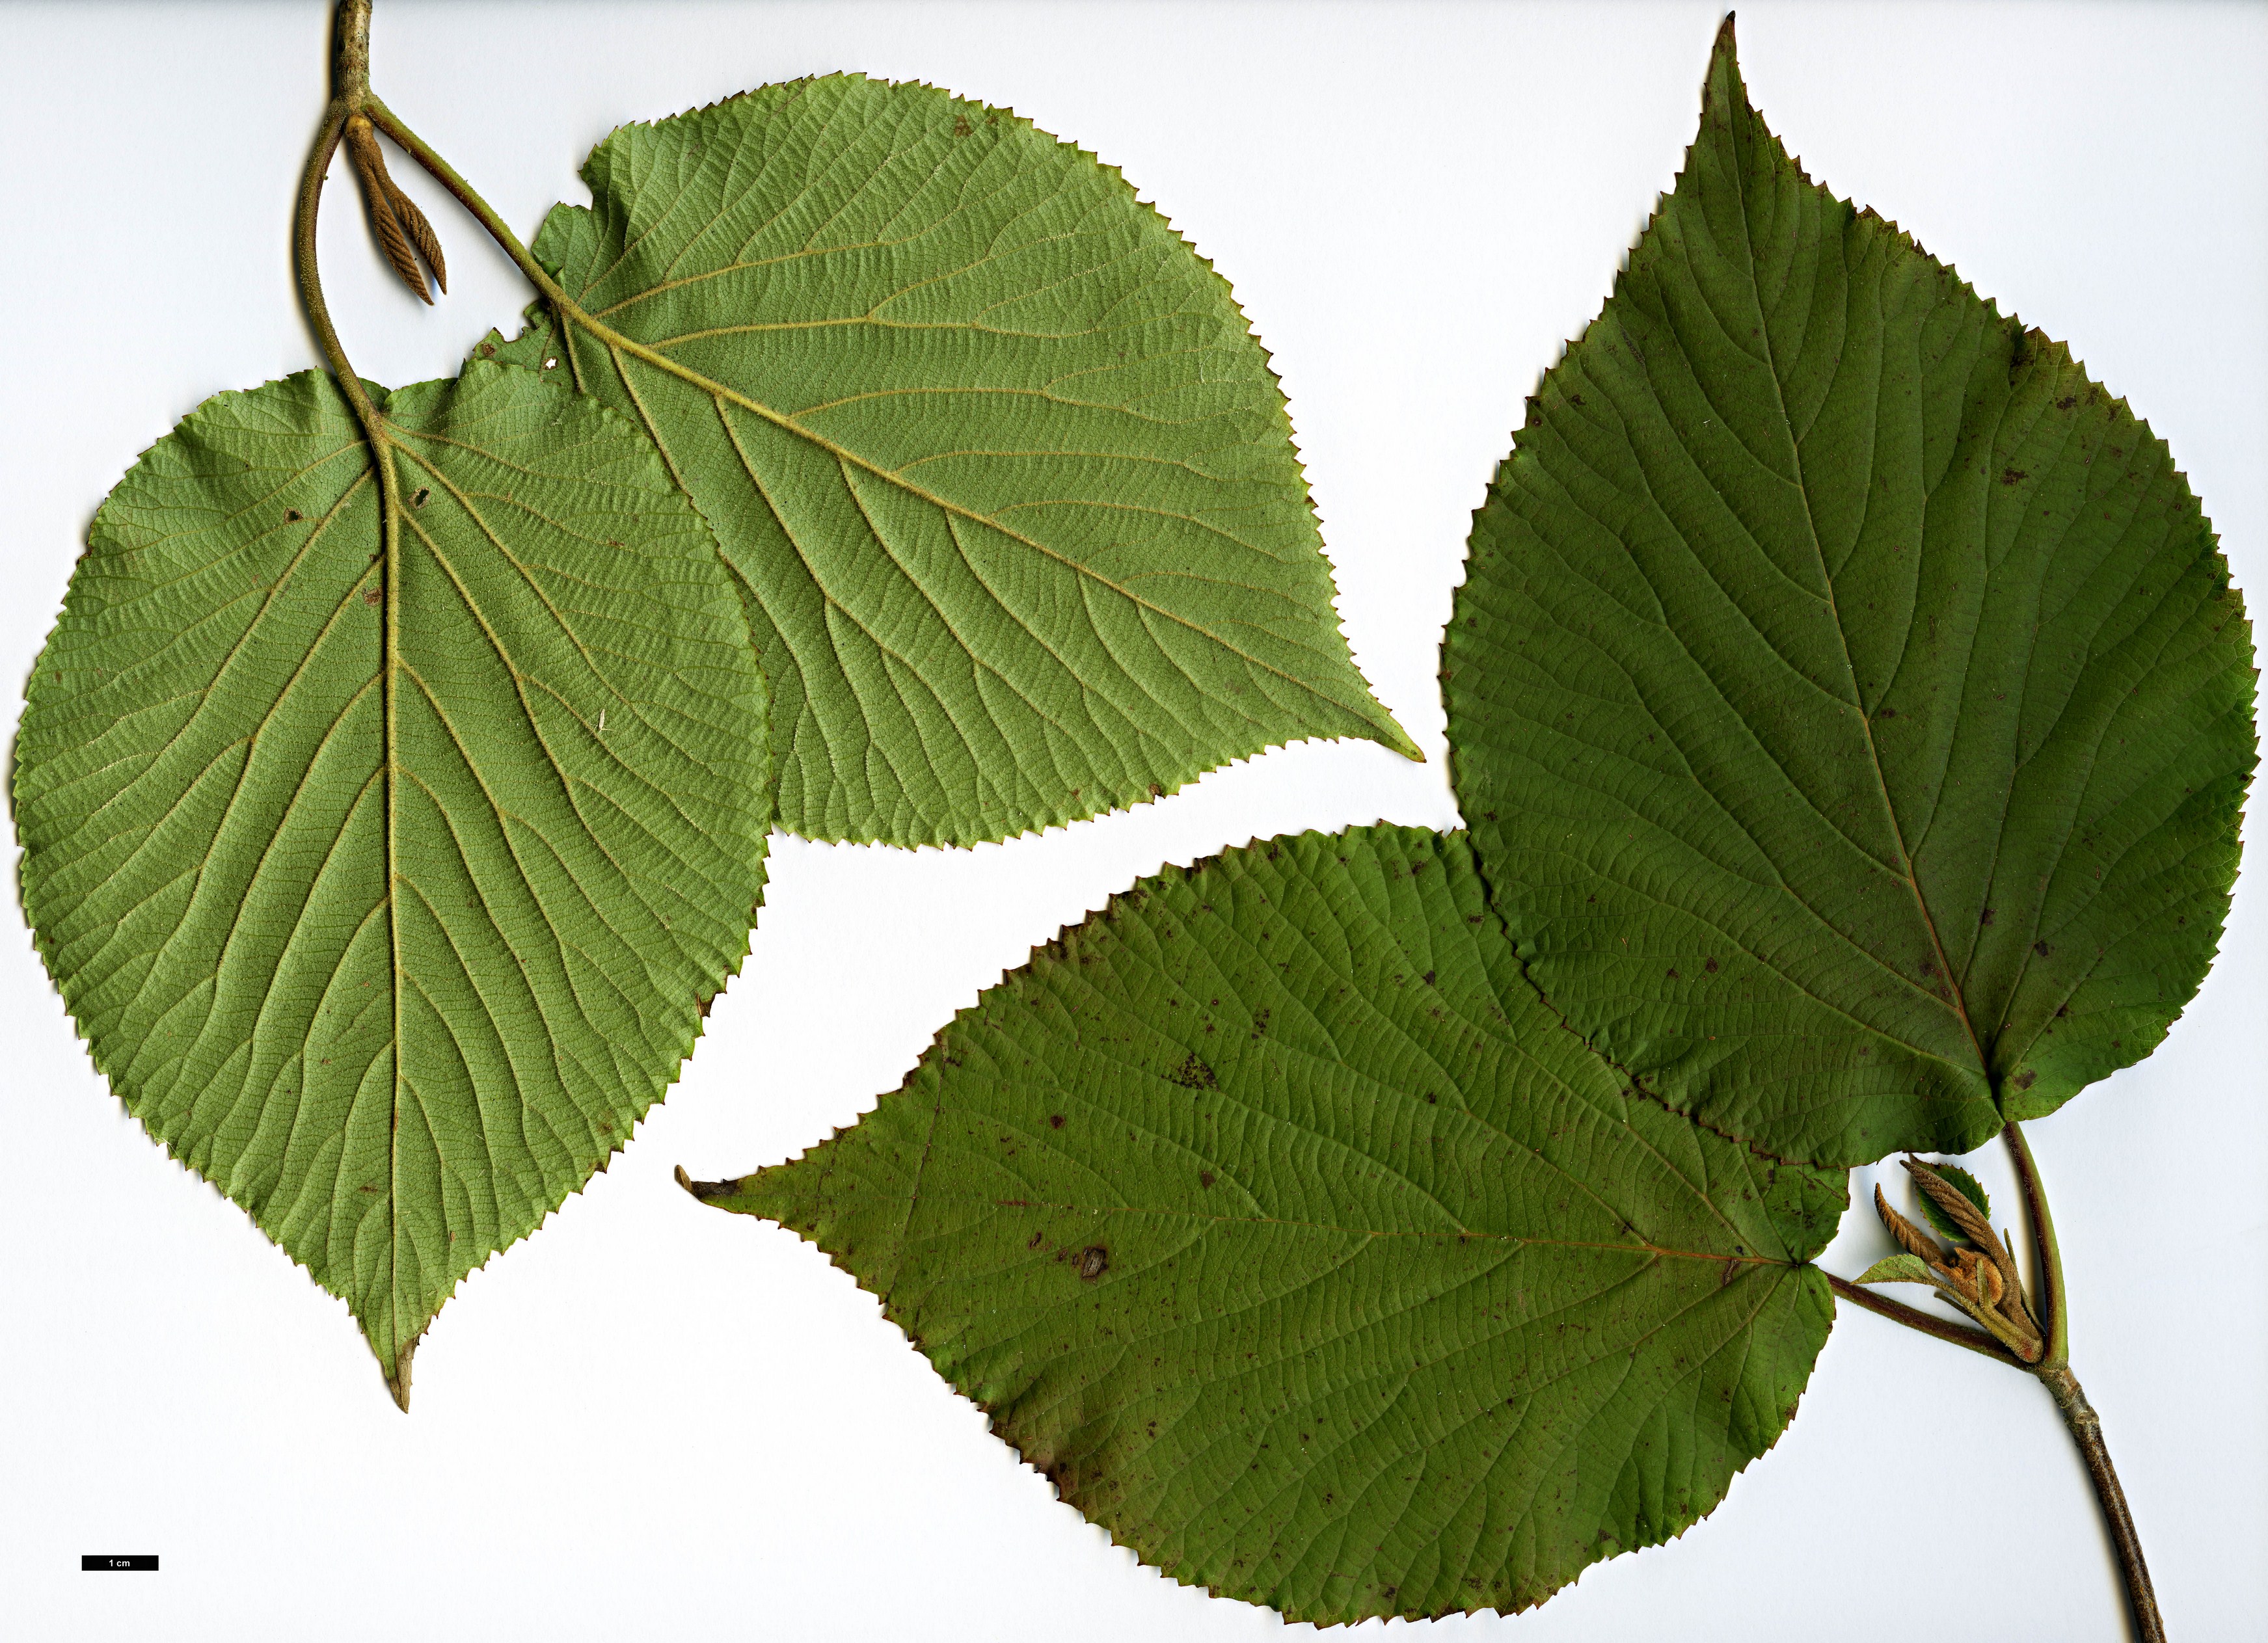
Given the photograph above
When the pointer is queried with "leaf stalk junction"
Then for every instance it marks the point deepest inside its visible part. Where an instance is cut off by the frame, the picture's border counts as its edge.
(2028, 1333)
(354, 110)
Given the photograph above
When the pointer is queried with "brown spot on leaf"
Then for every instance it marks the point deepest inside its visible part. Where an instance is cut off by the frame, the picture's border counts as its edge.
(1710, 965)
(2025, 1081)
(1193, 1073)
(292, 516)
(2013, 476)
(1055, 1120)
(1204, 1178)
(2040, 948)
(373, 596)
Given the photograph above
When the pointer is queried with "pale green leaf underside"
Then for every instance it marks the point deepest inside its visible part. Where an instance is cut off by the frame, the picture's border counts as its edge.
(1273, 1217)
(1850, 704)
(1008, 479)
(571, 824)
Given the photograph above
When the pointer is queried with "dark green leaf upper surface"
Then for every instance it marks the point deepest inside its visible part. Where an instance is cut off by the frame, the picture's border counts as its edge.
(1007, 478)
(1850, 704)
(1275, 1219)
(389, 902)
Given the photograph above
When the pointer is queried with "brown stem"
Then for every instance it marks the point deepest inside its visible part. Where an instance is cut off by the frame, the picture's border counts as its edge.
(1898, 1312)
(350, 62)
(2087, 1432)
(2079, 1414)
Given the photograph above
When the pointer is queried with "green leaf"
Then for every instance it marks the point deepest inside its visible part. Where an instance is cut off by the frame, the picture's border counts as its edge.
(1850, 703)
(1969, 1186)
(1897, 1269)
(390, 896)
(1275, 1219)
(1007, 479)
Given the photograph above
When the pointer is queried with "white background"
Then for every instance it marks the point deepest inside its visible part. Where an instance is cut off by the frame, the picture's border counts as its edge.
(653, 1419)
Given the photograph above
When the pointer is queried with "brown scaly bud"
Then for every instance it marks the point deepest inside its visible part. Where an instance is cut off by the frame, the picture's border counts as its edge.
(1980, 1281)
(1911, 1238)
(1950, 1199)
(402, 232)
(2007, 1294)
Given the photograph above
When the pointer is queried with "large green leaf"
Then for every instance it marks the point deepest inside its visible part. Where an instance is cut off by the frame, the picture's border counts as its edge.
(1007, 478)
(1850, 704)
(391, 896)
(1275, 1219)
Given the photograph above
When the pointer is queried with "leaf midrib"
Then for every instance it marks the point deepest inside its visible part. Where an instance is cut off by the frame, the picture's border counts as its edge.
(1958, 999)
(573, 314)
(1381, 1019)
(1459, 1234)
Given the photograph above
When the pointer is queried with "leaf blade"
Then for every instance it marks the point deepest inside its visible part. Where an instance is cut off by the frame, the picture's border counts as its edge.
(1849, 696)
(1007, 477)
(1244, 1205)
(467, 835)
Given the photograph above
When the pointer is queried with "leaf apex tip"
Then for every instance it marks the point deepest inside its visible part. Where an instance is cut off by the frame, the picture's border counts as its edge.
(397, 1382)
(1725, 57)
(707, 1191)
